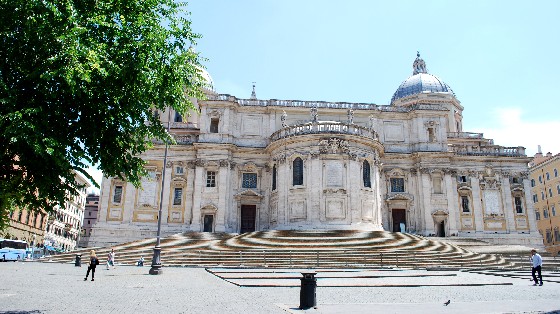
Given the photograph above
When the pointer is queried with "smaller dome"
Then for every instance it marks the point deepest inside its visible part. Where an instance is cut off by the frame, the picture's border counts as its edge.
(421, 82)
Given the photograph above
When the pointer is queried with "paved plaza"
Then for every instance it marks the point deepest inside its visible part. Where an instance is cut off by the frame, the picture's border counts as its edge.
(31, 287)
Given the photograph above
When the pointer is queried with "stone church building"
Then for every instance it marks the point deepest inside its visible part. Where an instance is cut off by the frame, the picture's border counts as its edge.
(245, 165)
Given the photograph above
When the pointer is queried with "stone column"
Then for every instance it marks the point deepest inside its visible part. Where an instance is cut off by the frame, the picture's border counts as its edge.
(223, 192)
(477, 205)
(377, 202)
(198, 186)
(454, 211)
(425, 192)
(508, 209)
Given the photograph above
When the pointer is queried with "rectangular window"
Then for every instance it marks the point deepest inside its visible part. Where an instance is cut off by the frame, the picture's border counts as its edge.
(274, 178)
(179, 170)
(214, 122)
(542, 195)
(463, 179)
(117, 196)
(397, 184)
(514, 180)
(549, 192)
(178, 117)
(532, 182)
(558, 189)
(540, 179)
(556, 234)
(249, 181)
(465, 204)
(177, 196)
(537, 215)
(535, 198)
(548, 236)
(518, 206)
(553, 210)
(210, 179)
(545, 213)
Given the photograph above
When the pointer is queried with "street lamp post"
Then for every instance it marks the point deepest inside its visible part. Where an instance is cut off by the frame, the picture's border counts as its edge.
(156, 259)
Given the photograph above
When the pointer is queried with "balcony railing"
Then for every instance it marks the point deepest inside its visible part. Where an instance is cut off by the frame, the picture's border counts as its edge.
(323, 127)
(494, 150)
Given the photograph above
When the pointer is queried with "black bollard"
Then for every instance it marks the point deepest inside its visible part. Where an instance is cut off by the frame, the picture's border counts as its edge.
(307, 294)
(78, 262)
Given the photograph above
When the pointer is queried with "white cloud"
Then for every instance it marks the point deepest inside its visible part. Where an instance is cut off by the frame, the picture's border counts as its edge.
(511, 129)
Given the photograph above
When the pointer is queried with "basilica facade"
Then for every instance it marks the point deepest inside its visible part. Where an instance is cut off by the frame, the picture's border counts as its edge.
(243, 165)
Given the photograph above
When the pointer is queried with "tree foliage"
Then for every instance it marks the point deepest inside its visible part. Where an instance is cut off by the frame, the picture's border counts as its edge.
(80, 81)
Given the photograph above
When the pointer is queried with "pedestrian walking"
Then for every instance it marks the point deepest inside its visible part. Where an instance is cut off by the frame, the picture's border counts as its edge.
(536, 259)
(141, 261)
(111, 259)
(93, 262)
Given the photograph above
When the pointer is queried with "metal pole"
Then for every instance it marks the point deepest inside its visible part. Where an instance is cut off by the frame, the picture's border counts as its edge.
(156, 259)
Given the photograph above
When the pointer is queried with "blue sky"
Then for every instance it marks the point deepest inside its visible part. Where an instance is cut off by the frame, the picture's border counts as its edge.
(501, 58)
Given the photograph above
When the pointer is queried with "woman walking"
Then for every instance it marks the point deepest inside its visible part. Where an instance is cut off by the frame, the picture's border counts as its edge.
(93, 262)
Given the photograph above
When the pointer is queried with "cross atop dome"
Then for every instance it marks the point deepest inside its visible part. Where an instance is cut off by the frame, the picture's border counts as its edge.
(419, 66)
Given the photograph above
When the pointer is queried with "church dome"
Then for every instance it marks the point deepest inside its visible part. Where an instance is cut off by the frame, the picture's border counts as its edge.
(209, 83)
(421, 82)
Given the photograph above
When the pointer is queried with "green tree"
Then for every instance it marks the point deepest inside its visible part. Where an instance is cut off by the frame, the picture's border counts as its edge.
(80, 82)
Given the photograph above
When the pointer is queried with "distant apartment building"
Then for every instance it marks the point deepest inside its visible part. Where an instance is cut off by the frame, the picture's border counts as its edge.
(26, 225)
(65, 223)
(545, 190)
(90, 217)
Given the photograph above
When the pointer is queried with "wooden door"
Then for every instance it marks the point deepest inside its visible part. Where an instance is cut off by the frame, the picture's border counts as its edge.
(399, 217)
(248, 217)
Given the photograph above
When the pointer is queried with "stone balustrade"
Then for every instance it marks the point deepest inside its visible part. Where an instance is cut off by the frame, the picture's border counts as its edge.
(491, 150)
(329, 127)
(465, 135)
(323, 104)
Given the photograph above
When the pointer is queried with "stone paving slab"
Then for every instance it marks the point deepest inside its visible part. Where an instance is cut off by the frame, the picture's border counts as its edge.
(29, 287)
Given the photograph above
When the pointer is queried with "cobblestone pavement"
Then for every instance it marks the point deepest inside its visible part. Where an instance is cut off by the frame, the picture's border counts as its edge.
(29, 287)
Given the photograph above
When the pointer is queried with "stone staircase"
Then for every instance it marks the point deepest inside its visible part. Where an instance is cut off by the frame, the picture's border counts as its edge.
(301, 249)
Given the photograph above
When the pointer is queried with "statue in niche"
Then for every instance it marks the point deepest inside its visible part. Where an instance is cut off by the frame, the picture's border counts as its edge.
(283, 119)
(314, 114)
(350, 116)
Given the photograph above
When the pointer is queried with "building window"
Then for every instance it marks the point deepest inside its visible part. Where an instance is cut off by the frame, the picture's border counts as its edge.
(548, 236)
(556, 234)
(540, 179)
(431, 135)
(532, 182)
(558, 189)
(274, 178)
(117, 195)
(297, 167)
(518, 206)
(547, 176)
(249, 181)
(178, 117)
(537, 215)
(549, 192)
(214, 122)
(463, 179)
(179, 170)
(545, 213)
(553, 210)
(397, 184)
(177, 196)
(542, 195)
(535, 198)
(555, 173)
(210, 179)
(465, 204)
(366, 174)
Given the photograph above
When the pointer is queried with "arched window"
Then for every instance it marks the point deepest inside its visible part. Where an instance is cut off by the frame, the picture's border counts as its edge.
(274, 178)
(366, 174)
(298, 171)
